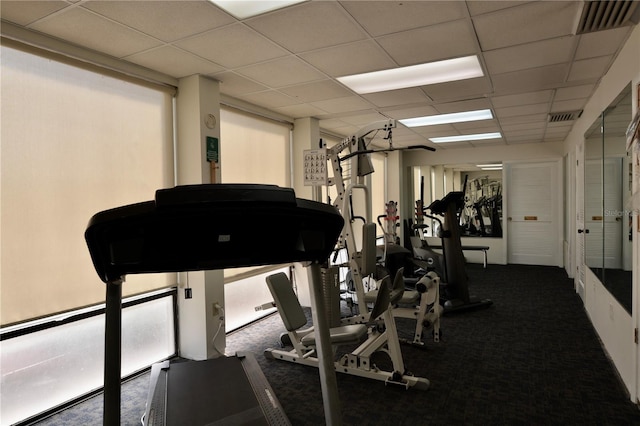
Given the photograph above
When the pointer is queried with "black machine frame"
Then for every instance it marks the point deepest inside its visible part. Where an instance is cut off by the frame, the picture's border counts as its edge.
(204, 227)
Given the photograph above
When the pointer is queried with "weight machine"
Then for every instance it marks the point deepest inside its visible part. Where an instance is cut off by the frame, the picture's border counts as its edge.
(362, 263)
(377, 334)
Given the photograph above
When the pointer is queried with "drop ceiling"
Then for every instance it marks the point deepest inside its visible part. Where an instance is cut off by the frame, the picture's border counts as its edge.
(287, 61)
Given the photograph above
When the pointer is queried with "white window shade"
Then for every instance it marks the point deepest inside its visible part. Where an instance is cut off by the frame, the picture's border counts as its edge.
(74, 142)
(378, 191)
(253, 150)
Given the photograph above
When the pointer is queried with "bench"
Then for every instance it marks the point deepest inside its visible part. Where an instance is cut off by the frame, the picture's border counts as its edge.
(484, 250)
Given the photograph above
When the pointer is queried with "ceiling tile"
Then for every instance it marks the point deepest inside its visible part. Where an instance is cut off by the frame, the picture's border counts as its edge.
(332, 123)
(417, 111)
(488, 142)
(351, 58)
(574, 92)
(363, 119)
(26, 12)
(232, 46)
(87, 29)
(533, 133)
(308, 26)
(558, 131)
(522, 110)
(338, 126)
(386, 17)
(402, 131)
(535, 125)
(437, 130)
(346, 104)
(317, 91)
(234, 84)
(300, 111)
(270, 99)
(526, 23)
(560, 125)
(397, 97)
(165, 20)
(174, 62)
(568, 105)
(481, 7)
(281, 72)
(531, 55)
(442, 41)
(601, 43)
(530, 118)
(530, 80)
(473, 127)
(589, 69)
(522, 99)
(466, 105)
(462, 89)
(518, 140)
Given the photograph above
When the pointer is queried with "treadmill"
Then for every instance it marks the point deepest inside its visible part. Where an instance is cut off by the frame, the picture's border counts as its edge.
(204, 227)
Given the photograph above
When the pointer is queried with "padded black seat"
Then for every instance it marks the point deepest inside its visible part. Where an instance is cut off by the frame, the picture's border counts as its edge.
(294, 318)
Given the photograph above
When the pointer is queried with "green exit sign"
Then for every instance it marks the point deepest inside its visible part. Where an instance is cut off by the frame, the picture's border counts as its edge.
(213, 149)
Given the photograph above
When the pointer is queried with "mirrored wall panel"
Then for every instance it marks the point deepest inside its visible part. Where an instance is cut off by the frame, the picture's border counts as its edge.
(608, 248)
(481, 213)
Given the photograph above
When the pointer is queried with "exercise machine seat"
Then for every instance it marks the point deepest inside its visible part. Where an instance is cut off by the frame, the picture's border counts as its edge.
(342, 335)
(397, 291)
(294, 318)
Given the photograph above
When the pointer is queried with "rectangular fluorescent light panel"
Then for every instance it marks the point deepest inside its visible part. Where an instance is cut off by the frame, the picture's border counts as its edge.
(491, 168)
(414, 75)
(488, 165)
(463, 138)
(243, 9)
(456, 117)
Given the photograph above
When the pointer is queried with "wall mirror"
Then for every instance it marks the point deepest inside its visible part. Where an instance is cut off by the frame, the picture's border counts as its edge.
(481, 215)
(608, 249)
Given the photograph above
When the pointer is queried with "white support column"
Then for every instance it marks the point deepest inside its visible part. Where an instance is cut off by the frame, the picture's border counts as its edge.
(198, 117)
(306, 135)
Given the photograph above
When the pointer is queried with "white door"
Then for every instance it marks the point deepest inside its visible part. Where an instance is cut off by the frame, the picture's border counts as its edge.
(533, 216)
(613, 213)
(593, 213)
(580, 226)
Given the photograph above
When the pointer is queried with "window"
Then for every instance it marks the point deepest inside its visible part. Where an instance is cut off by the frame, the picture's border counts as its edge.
(45, 368)
(74, 142)
(253, 150)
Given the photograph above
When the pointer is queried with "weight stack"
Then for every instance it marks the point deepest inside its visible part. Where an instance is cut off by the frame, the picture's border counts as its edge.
(331, 294)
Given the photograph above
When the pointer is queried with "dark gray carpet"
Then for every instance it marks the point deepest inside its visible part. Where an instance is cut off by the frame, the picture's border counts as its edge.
(532, 358)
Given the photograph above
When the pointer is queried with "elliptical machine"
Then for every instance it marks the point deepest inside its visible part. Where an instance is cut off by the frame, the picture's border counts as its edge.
(456, 289)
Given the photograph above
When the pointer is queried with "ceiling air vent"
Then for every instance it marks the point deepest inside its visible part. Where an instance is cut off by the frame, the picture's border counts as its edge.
(607, 15)
(556, 117)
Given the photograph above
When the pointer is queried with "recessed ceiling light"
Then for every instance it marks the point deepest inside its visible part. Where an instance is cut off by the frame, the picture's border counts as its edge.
(463, 138)
(414, 75)
(489, 165)
(456, 117)
(243, 9)
(491, 168)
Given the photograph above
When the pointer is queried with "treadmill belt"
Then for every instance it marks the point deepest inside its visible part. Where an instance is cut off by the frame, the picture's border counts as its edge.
(212, 392)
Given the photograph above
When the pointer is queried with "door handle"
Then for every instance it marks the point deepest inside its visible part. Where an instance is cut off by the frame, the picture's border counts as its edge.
(580, 231)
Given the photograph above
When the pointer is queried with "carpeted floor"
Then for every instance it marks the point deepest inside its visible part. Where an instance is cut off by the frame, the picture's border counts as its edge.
(532, 358)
